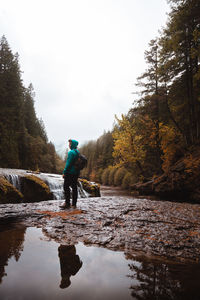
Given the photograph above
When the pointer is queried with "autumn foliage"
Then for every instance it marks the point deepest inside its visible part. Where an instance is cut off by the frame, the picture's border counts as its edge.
(164, 122)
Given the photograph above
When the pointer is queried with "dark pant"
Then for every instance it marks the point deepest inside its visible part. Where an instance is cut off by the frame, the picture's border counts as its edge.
(70, 180)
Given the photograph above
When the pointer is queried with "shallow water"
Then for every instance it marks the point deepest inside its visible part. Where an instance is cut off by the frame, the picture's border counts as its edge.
(32, 267)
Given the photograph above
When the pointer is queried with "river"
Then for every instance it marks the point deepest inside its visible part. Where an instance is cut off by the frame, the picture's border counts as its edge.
(51, 257)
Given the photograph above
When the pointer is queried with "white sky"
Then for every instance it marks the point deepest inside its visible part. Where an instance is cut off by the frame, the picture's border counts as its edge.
(82, 57)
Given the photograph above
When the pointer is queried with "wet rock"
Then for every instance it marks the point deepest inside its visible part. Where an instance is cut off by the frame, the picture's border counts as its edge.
(103, 240)
(59, 226)
(160, 228)
(91, 187)
(107, 223)
(8, 193)
(34, 189)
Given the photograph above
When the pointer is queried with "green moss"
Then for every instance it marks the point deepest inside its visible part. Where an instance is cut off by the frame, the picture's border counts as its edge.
(92, 188)
(35, 189)
(38, 181)
(3, 184)
(8, 193)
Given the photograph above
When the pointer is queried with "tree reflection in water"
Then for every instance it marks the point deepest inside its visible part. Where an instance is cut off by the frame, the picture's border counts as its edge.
(12, 244)
(70, 264)
(154, 280)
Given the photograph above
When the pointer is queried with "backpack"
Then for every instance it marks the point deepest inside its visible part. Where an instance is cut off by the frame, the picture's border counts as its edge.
(80, 162)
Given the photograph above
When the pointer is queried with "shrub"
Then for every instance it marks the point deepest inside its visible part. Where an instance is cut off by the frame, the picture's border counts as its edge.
(113, 170)
(127, 180)
(105, 176)
(99, 175)
(119, 175)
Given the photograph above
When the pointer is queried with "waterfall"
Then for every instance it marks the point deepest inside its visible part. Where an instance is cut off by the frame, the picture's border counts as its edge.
(81, 192)
(54, 181)
(14, 180)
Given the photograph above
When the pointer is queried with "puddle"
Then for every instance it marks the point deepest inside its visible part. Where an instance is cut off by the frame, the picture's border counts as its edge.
(32, 267)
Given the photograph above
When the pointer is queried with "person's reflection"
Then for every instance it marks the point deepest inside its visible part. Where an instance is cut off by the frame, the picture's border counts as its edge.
(70, 264)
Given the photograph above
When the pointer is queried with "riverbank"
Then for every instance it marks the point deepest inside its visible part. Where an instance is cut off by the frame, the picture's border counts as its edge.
(133, 225)
(179, 182)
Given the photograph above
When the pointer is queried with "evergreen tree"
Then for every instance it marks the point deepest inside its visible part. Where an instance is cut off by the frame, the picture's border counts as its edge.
(23, 139)
(149, 81)
(30, 119)
(11, 103)
(180, 55)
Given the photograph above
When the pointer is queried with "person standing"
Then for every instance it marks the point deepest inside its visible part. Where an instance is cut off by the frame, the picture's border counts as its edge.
(70, 175)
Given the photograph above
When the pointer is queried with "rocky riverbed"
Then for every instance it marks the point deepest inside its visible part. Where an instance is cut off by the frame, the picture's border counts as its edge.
(137, 226)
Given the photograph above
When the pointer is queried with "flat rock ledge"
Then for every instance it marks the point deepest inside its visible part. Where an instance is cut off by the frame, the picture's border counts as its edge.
(136, 226)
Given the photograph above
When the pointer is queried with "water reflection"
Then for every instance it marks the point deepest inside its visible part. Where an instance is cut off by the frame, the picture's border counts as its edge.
(70, 264)
(44, 270)
(163, 281)
(11, 245)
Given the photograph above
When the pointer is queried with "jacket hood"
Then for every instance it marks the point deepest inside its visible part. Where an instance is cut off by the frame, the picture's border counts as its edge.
(74, 144)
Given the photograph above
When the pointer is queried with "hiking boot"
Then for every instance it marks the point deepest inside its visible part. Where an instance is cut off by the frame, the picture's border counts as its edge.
(65, 206)
(74, 206)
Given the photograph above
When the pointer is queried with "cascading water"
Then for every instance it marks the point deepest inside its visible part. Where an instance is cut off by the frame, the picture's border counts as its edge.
(54, 181)
(14, 180)
(81, 192)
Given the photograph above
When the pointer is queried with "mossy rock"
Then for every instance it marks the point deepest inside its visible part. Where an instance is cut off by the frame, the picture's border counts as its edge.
(92, 188)
(35, 189)
(8, 193)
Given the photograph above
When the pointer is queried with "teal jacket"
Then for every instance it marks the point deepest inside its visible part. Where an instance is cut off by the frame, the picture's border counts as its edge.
(71, 158)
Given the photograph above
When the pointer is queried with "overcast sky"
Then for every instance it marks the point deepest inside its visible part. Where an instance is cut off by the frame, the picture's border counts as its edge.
(82, 57)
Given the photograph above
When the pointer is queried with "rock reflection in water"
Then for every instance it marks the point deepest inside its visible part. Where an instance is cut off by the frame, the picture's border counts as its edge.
(70, 264)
